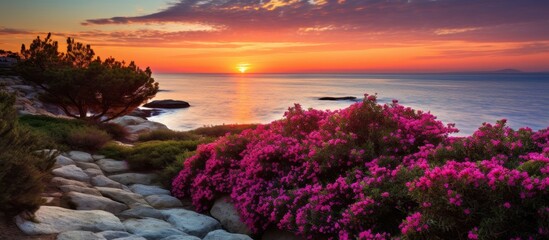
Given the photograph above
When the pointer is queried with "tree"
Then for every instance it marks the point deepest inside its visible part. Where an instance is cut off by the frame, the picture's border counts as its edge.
(22, 168)
(83, 85)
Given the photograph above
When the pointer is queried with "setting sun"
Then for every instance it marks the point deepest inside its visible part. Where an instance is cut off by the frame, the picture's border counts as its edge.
(243, 67)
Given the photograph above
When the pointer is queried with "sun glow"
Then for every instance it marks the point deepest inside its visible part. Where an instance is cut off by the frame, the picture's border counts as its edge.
(243, 67)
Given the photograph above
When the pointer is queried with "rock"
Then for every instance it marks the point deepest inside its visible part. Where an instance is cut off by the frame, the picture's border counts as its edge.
(191, 222)
(59, 181)
(337, 98)
(48, 200)
(80, 156)
(90, 202)
(80, 189)
(112, 166)
(142, 212)
(147, 190)
(181, 237)
(48, 152)
(109, 235)
(167, 104)
(145, 113)
(224, 211)
(136, 126)
(134, 178)
(276, 234)
(163, 201)
(127, 197)
(51, 219)
(87, 165)
(92, 172)
(97, 157)
(71, 172)
(151, 228)
(72, 235)
(63, 161)
(222, 234)
(102, 181)
(132, 237)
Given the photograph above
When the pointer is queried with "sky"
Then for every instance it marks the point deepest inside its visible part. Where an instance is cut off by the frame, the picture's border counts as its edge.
(287, 36)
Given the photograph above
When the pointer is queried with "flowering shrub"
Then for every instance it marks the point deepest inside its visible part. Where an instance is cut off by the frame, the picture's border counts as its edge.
(374, 171)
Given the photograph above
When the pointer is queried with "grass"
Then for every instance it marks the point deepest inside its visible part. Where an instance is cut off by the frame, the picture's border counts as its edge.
(221, 130)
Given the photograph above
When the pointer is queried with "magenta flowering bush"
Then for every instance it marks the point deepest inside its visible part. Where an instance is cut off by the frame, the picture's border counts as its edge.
(374, 171)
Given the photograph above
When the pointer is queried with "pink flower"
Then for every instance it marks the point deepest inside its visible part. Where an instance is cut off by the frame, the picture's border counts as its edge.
(507, 205)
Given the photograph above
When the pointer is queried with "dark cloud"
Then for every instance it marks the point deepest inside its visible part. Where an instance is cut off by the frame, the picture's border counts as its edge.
(10, 31)
(355, 16)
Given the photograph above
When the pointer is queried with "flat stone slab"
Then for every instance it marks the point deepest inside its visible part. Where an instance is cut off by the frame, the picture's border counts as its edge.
(134, 178)
(222, 234)
(80, 156)
(72, 235)
(87, 165)
(151, 228)
(163, 201)
(147, 190)
(142, 212)
(85, 190)
(71, 172)
(63, 161)
(126, 197)
(191, 222)
(103, 181)
(112, 166)
(224, 211)
(59, 181)
(93, 172)
(180, 237)
(109, 235)
(97, 157)
(90, 202)
(51, 219)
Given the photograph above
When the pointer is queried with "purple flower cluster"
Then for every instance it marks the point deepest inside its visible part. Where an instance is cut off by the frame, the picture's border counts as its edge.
(374, 171)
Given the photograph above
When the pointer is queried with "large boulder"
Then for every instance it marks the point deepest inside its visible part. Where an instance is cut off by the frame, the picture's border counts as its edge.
(163, 201)
(171, 104)
(134, 178)
(151, 228)
(137, 125)
(71, 172)
(91, 202)
(191, 222)
(224, 211)
(51, 219)
(72, 235)
(80, 156)
(222, 234)
(119, 195)
(112, 166)
(147, 190)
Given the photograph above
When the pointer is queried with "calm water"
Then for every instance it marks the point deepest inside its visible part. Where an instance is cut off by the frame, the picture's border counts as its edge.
(467, 100)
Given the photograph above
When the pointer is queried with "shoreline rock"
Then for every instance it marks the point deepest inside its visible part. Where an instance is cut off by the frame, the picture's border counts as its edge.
(349, 98)
(167, 104)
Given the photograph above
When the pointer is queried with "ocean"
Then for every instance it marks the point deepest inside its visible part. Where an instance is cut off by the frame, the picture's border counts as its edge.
(467, 100)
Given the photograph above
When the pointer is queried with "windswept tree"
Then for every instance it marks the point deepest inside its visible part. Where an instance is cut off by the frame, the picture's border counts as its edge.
(83, 85)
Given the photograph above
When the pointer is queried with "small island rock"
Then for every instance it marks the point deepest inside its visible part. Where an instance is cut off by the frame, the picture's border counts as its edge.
(167, 104)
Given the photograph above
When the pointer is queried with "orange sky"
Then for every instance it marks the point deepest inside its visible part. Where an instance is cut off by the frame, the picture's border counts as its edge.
(296, 36)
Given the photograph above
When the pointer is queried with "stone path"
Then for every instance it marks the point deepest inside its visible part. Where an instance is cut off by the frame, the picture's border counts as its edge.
(110, 202)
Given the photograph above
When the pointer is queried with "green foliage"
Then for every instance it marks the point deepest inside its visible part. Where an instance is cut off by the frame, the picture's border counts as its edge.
(83, 86)
(221, 130)
(90, 139)
(116, 131)
(166, 134)
(158, 154)
(115, 151)
(22, 168)
(68, 133)
(171, 170)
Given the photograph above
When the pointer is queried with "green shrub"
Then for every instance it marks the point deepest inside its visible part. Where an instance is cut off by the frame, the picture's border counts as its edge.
(156, 155)
(166, 134)
(221, 130)
(116, 131)
(22, 168)
(87, 138)
(115, 151)
(171, 170)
